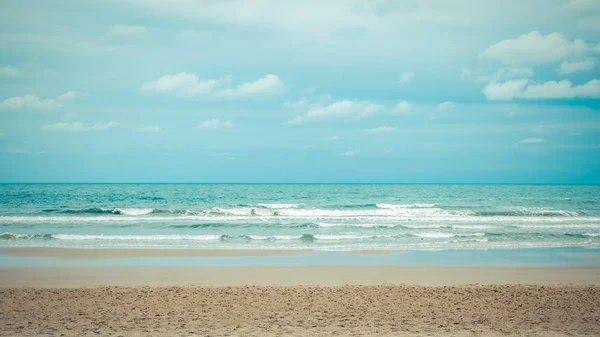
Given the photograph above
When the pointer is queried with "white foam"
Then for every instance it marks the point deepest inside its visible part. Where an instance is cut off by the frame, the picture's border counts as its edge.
(275, 237)
(137, 237)
(394, 206)
(340, 213)
(325, 215)
(473, 227)
(327, 237)
(435, 235)
(133, 211)
(360, 225)
(561, 226)
(440, 235)
(279, 206)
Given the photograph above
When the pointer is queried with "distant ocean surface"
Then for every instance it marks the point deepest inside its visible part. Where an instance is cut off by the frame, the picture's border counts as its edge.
(333, 217)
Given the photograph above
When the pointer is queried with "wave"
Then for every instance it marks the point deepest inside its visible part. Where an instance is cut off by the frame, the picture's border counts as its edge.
(523, 212)
(136, 237)
(98, 210)
(298, 210)
(17, 236)
(250, 237)
(358, 225)
(134, 211)
(245, 224)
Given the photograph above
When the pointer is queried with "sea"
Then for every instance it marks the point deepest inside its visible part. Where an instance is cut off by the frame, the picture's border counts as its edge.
(319, 217)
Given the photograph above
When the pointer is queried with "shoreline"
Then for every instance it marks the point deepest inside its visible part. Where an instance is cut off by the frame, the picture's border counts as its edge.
(96, 253)
(131, 253)
(301, 275)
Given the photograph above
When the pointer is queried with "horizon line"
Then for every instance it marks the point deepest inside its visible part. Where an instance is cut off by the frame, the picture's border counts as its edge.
(294, 183)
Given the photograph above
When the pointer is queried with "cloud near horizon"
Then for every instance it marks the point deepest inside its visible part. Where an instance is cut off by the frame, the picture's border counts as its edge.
(215, 123)
(535, 48)
(34, 102)
(406, 78)
(526, 89)
(381, 129)
(9, 71)
(79, 126)
(187, 85)
(151, 129)
(339, 109)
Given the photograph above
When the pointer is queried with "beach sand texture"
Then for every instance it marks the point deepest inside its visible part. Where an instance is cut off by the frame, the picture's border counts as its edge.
(395, 310)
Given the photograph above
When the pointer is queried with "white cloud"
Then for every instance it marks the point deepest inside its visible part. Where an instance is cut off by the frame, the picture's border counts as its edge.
(308, 102)
(68, 96)
(524, 89)
(34, 102)
(126, 32)
(510, 73)
(534, 48)
(332, 138)
(446, 105)
(569, 67)
(501, 74)
(9, 71)
(151, 129)
(381, 129)
(188, 85)
(345, 108)
(504, 91)
(562, 89)
(350, 153)
(532, 141)
(215, 124)
(403, 107)
(406, 77)
(79, 126)
(265, 85)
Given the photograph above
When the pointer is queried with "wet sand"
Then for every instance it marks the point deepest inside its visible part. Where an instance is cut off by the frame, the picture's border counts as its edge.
(90, 254)
(287, 275)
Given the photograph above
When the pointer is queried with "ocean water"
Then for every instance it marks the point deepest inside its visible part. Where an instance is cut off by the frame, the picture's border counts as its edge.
(328, 217)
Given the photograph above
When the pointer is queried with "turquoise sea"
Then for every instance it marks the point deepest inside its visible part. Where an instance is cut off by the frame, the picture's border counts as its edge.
(323, 217)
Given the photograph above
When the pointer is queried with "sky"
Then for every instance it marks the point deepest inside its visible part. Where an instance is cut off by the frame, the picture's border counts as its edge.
(378, 91)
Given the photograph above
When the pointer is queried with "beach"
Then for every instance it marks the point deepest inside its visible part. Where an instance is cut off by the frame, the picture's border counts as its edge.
(300, 301)
(133, 299)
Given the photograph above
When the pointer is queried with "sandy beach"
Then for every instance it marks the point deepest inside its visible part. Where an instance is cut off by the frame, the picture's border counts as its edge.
(294, 300)
(385, 310)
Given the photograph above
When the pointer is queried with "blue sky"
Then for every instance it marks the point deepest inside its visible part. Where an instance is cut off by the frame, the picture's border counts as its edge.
(300, 91)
